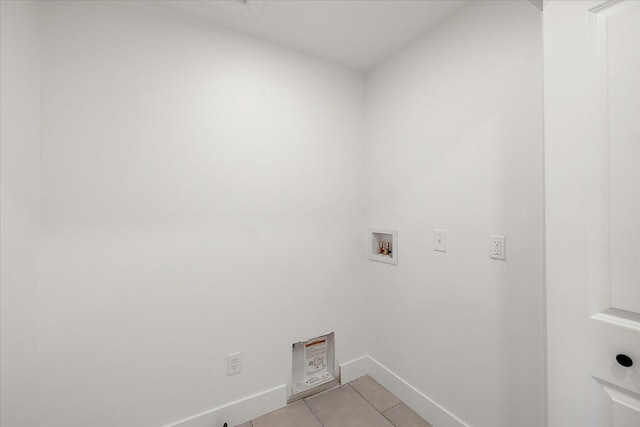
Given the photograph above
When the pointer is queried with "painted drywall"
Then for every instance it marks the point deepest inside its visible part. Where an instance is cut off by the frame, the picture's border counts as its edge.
(201, 195)
(455, 142)
(354, 33)
(538, 3)
(19, 211)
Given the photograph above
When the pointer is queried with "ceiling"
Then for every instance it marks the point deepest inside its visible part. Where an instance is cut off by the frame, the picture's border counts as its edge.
(355, 33)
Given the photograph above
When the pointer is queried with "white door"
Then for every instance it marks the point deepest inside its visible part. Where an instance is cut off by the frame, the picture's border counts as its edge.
(592, 173)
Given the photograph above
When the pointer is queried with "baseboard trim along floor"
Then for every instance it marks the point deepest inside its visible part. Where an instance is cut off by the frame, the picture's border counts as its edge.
(354, 369)
(251, 407)
(240, 411)
(420, 403)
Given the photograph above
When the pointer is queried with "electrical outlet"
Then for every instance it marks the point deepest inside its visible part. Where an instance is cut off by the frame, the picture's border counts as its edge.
(497, 248)
(234, 363)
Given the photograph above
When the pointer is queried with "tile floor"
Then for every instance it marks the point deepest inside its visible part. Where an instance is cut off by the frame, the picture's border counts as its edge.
(360, 403)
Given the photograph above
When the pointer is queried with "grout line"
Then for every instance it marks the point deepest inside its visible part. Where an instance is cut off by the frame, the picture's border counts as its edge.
(399, 403)
(365, 399)
(312, 413)
(381, 412)
(387, 418)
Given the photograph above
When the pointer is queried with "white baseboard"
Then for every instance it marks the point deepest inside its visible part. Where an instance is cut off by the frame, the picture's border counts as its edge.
(251, 407)
(240, 411)
(413, 398)
(354, 369)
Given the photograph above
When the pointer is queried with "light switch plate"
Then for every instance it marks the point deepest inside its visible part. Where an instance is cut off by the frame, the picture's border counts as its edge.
(497, 247)
(440, 240)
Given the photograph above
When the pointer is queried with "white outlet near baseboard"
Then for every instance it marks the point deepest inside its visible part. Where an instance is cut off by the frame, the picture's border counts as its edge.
(234, 363)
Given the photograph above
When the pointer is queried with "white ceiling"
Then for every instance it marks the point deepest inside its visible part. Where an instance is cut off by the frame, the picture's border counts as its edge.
(355, 33)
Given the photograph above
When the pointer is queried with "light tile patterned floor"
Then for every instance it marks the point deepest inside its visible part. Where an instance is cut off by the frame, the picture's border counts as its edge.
(360, 403)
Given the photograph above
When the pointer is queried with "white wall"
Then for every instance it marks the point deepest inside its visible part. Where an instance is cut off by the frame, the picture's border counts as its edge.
(455, 142)
(191, 174)
(201, 195)
(19, 211)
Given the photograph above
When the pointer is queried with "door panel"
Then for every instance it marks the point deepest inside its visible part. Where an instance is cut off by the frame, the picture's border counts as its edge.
(614, 216)
(609, 337)
(613, 114)
(592, 140)
(622, 408)
(622, 56)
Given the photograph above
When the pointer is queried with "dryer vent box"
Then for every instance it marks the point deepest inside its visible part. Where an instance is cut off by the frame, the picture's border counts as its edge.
(313, 366)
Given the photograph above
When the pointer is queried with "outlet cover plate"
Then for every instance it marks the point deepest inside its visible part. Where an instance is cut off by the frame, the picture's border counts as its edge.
(497, 247)
(440, 240)
(234, 363)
